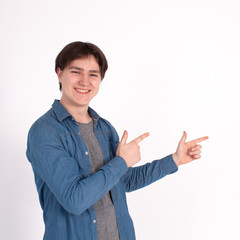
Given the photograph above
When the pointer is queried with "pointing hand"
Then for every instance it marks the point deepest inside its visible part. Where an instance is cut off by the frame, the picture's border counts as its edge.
(187, 151)
(130, 152)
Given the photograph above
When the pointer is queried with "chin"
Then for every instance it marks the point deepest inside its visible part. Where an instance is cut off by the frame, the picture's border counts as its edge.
(82, 104)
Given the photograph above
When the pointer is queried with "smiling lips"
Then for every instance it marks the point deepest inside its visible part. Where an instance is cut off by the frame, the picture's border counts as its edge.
(82, 90)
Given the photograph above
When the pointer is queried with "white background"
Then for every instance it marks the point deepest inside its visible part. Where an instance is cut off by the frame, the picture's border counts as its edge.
(173, 66)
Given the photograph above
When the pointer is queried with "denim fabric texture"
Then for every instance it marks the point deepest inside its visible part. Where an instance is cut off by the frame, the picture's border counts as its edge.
(67, 191)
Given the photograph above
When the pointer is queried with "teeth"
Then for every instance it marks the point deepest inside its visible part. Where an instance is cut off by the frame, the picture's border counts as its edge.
(82, 91)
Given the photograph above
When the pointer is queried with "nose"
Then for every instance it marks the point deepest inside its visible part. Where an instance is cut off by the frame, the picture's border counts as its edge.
(84, 80)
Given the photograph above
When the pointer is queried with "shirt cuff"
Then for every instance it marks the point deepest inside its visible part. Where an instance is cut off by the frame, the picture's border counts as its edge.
(119, 165)
(168, 165)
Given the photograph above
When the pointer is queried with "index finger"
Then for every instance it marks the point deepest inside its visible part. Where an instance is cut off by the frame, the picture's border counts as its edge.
(141, 137)
(198, 140)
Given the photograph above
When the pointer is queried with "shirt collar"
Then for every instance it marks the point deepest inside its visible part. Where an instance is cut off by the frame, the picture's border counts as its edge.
(94, 116)
(62, 113)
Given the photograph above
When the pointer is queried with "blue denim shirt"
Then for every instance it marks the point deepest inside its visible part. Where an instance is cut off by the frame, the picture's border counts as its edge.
(67, 191)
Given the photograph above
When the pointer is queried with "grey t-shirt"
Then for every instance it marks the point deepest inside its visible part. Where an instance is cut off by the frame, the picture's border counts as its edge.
(107, 228)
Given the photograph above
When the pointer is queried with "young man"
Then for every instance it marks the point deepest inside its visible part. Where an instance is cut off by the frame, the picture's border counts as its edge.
(81, 169)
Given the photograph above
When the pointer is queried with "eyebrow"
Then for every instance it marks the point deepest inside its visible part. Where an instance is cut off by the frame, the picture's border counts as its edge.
(81, 69)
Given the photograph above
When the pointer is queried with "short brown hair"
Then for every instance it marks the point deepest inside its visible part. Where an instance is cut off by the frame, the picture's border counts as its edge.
(77, 50)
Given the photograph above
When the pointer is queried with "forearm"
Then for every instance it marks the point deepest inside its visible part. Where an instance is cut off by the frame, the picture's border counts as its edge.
(79, 195)
(144, 175)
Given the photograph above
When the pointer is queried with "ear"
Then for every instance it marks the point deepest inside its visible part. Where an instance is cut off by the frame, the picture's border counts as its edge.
(59, 73)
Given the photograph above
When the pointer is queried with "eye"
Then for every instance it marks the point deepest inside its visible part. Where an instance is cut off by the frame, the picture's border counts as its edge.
(75, 72)
(93, 75)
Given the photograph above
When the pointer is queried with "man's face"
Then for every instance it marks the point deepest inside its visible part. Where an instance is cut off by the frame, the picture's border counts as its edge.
(80, 82)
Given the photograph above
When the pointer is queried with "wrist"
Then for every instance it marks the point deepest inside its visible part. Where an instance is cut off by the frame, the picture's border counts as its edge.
(176, 159)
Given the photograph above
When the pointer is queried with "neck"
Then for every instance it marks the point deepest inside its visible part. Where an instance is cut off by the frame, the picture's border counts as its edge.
(79, 113)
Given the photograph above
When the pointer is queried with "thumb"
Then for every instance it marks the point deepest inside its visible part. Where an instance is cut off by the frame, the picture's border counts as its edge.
(124, 138)
(184, 137)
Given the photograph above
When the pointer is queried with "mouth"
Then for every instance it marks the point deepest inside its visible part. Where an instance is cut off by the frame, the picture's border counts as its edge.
(84, 91)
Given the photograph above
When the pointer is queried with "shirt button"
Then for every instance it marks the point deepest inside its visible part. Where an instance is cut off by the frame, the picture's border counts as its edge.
(86, 153)
(94, 221)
